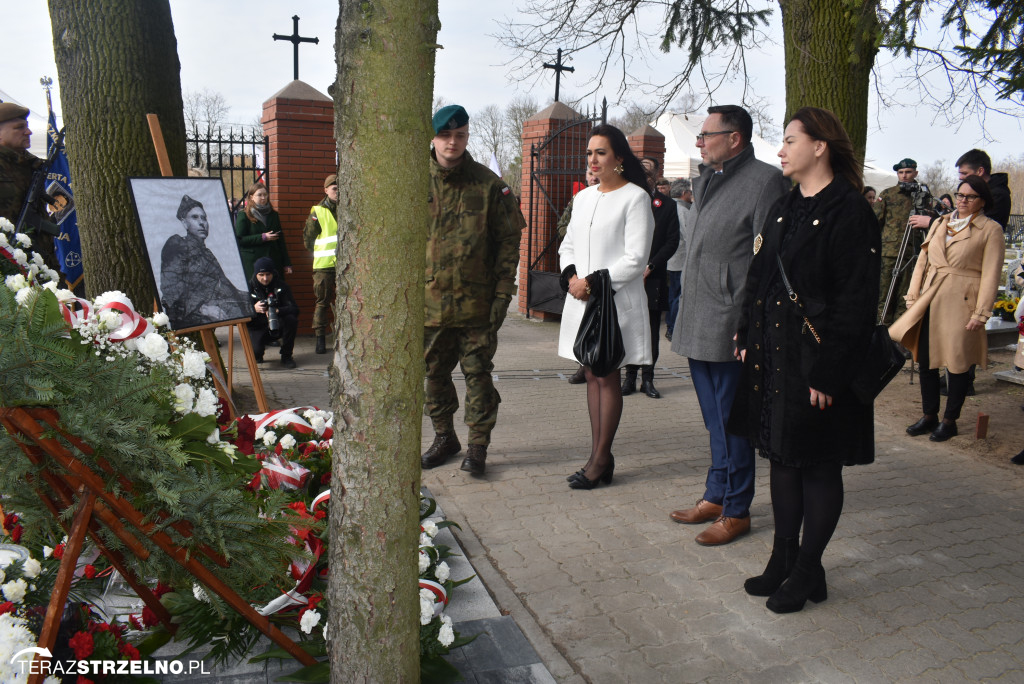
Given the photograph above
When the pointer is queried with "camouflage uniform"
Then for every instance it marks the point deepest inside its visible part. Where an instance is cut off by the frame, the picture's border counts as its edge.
(193, 287)
(893, 209)
(16, 169)
(323, 278)
(471, 261)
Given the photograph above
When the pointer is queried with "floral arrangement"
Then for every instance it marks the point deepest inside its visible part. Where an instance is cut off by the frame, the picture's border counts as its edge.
(1006, 306)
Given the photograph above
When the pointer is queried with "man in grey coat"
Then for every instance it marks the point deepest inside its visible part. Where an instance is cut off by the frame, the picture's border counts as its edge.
(731, 199)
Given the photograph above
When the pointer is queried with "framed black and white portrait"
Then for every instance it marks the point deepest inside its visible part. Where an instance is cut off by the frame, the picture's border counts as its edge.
(190, 246)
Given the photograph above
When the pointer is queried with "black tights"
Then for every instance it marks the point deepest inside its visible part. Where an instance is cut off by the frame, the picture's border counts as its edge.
(811, 496)
(604, 401)
(956, 386)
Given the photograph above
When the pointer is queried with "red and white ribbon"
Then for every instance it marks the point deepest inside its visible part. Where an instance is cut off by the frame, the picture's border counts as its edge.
(292, 417)
(440, 594)
(280, 472)
(320, 498)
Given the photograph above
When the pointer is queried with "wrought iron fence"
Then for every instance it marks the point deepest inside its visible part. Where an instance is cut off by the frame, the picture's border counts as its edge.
(239, 159)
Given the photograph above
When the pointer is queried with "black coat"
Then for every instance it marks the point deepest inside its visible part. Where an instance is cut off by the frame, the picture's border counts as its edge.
(286, 305)
(832, 261)
(663, 246)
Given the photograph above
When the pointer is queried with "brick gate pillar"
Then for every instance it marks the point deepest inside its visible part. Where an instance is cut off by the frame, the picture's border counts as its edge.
(299, 122)
(541, 219)
(646, 141)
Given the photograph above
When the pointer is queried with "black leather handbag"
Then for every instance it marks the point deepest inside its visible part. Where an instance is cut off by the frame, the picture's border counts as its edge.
(599, 341)
(882, 362)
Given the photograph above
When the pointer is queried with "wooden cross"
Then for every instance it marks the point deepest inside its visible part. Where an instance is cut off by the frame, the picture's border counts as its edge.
(295, 39)
(559, 68)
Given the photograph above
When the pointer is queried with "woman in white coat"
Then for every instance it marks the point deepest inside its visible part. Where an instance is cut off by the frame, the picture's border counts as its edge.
(611, 228)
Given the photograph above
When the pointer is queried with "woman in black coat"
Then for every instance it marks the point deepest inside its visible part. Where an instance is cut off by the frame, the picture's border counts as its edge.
(794, 400)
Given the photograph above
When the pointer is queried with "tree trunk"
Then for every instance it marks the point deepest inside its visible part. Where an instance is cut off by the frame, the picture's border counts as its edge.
(830, 47)
(383, 95)
(117, 61)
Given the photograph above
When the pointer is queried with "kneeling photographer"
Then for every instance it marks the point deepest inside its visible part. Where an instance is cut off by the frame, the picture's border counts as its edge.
(277, 314)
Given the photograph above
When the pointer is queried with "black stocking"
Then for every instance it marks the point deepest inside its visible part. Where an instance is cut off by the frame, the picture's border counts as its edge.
(604, 400)
(812, 497)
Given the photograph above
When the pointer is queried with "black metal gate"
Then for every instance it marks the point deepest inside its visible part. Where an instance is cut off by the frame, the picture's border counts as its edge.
(238, 159)
(555, 164)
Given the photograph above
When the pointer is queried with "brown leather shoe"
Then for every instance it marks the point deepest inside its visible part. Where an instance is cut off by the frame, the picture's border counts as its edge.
(702, 512)
(723, 531)
(446, 445)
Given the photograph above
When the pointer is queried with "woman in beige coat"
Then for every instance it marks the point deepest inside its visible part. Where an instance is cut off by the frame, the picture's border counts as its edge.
(950, 299)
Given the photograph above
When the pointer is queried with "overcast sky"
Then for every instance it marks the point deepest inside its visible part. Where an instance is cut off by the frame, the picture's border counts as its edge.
(227, 47)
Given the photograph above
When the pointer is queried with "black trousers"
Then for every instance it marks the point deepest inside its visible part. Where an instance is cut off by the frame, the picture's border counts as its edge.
(655, 340)
(957, 383)
(260, 335)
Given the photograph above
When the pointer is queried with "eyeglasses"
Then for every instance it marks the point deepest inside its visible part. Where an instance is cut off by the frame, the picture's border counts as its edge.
(965, 198)
(702, 137)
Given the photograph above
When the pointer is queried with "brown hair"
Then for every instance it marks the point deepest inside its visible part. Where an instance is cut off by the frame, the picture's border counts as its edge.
(822, 124)
(248, 199)
(979, 186)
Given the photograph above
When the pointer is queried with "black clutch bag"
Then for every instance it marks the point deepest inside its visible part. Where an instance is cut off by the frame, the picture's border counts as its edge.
(599, 341)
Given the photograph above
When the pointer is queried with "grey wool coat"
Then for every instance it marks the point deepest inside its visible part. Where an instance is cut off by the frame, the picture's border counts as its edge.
(728, 211)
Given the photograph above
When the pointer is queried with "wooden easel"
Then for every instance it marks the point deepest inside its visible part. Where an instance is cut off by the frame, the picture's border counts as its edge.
(97, 509)
(206, 331)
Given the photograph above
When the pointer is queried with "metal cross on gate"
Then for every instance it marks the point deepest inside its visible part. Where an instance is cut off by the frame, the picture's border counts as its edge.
(295, 39)
(559, 68)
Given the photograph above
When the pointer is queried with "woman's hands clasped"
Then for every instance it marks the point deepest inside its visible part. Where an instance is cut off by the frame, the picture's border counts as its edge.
(578, 288)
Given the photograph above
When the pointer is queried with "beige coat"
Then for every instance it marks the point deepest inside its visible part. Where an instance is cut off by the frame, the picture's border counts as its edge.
(955, 282)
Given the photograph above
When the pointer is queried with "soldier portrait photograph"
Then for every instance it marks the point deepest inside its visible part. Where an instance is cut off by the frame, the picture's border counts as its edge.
(191, 249)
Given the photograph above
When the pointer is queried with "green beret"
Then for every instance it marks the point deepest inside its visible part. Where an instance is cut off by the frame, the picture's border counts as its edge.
(452, 116)
(10, 111)
(187, 205)
(907, 163)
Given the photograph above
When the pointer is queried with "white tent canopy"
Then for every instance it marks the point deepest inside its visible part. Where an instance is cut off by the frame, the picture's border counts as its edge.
(682, 158)
(36, 123)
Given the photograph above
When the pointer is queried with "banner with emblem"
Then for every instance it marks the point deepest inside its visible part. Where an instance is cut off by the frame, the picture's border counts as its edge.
(62, 211)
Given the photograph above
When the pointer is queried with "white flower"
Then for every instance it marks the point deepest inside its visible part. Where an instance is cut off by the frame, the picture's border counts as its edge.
(192, 364)
(214, 437)
(318, 424)
(160, 319)
(260, 431)
(14, 591)
(15, 282)
(442, 572)
(269, 438)
(47, 552)
(111, 320)
(309, 620)
(287, 442)
(113, 296)
(426, 606)
(154, 347)
(23, 240)
(429, 527)
(20, 256)
(183, 396)
(446, 635)
(51, 274)
(6, 225)
(206, 404)
(200, 593)
(424, 562)
(14, 637)
(31, 568)
(425, 539)
(51, 680)
(3, 241)
(37, 258)
(24, 296)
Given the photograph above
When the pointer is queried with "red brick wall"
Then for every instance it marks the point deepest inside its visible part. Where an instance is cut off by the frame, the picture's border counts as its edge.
(648, 142)
(302, 154)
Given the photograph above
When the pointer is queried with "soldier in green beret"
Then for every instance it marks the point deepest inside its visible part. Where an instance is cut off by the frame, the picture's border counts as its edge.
(894, 209)
(16, 169)
(472, 256)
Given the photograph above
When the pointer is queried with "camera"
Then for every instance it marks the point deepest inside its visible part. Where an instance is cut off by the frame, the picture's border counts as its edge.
(273, 317)
(924, 203)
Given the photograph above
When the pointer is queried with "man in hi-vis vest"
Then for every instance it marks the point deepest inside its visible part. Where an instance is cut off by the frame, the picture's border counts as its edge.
(321, 237)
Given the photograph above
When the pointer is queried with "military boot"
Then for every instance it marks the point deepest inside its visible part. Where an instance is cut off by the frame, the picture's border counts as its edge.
(475, 460)
(629, 383)
(446, 445)
(321, 344)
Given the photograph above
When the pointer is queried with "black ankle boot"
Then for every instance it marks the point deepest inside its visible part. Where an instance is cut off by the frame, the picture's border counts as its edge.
(629, 383)
(647, 382)
(807, 581)
(780, 565)
(321, 344)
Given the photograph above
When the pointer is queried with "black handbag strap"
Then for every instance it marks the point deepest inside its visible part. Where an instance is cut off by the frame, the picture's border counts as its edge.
(793, 297)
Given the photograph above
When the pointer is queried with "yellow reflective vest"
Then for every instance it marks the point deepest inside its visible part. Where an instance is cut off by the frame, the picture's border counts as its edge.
(325, 246)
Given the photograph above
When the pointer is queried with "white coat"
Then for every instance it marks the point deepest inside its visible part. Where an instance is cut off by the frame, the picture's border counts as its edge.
(611, 230)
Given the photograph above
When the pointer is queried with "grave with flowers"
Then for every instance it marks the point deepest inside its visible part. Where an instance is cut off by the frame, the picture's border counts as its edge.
(120, 473)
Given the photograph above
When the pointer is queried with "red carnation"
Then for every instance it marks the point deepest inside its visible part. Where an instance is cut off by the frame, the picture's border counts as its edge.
(315, 600)
(10, 520)
(161, 589)
(149, 618)
(134, 622)
(58, 552)
(299, 506)
(89, 571)
(16, 534)
(129, 651)
(6, 607)
(246, 434)
(325, 478)
(257, 480)
(320, 514)
(82, 644)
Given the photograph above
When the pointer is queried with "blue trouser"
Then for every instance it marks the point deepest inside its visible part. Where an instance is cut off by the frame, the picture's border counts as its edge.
(731, 475)
(675, 287)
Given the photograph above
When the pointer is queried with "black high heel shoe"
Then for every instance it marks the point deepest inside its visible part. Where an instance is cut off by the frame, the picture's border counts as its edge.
(581, 481)
(583, 471)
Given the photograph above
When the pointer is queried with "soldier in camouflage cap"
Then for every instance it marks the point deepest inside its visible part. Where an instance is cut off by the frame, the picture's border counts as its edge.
(320, 235)
(893, 208)
(472, 256)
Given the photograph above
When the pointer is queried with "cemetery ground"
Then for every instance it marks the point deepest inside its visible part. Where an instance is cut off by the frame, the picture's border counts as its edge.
(924, 575)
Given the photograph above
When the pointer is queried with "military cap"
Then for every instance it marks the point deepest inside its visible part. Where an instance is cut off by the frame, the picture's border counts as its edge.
(187, 205)
(10, 111)
(452, 116)
(330, 180)
(907, 163)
